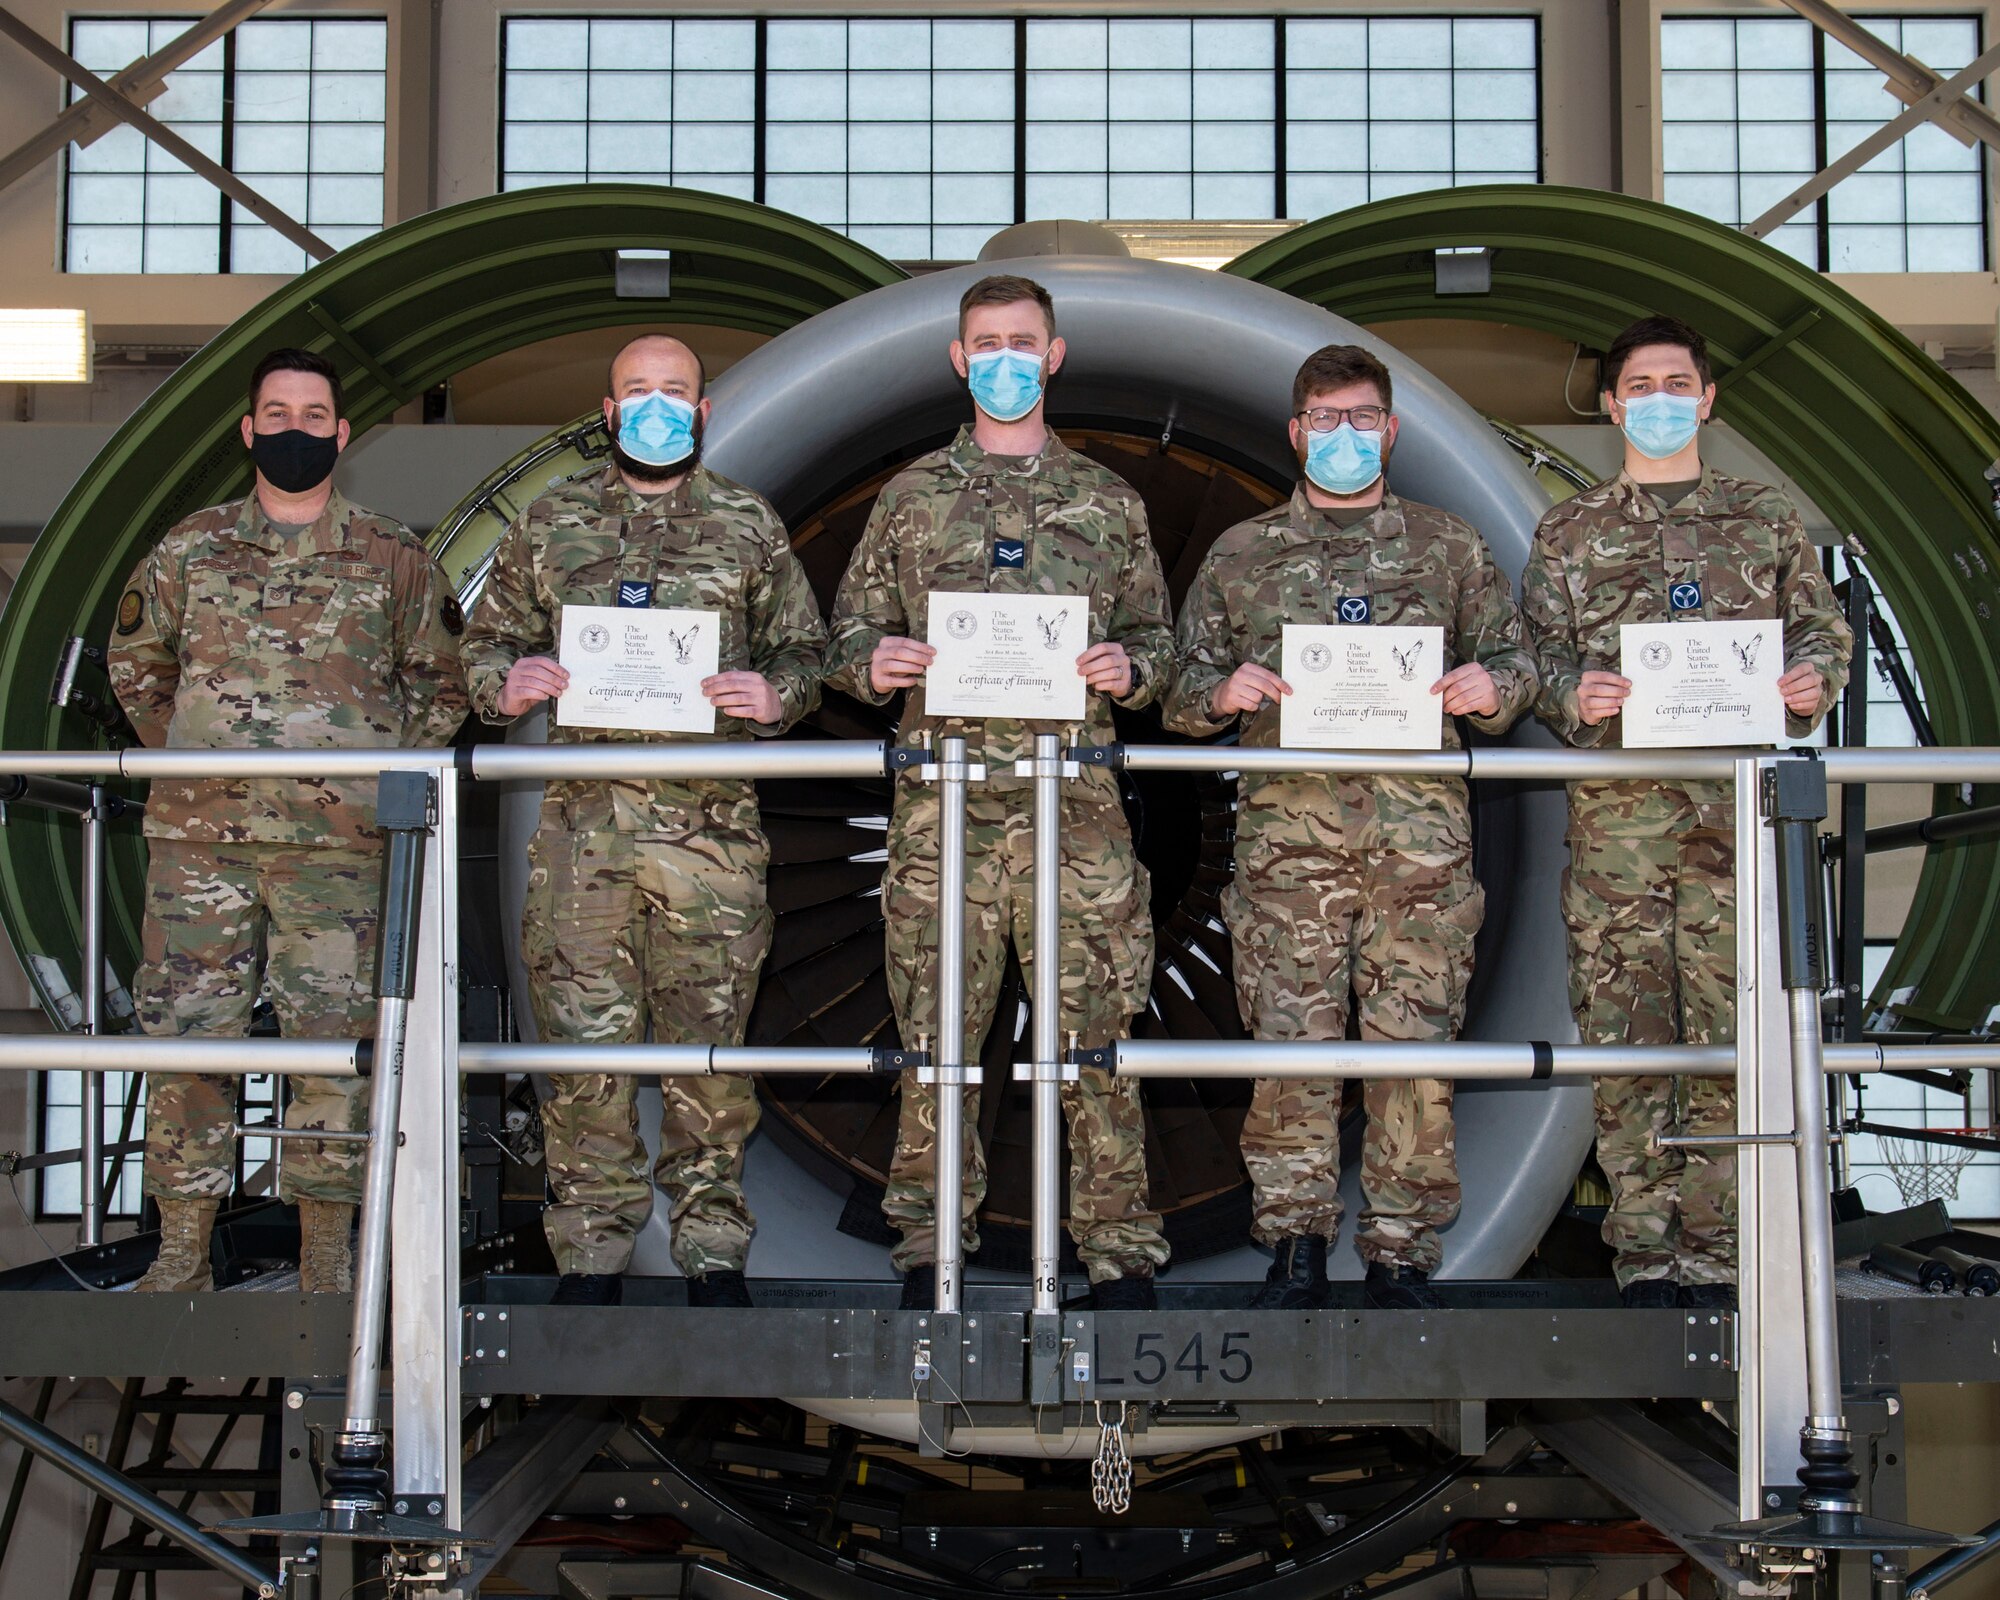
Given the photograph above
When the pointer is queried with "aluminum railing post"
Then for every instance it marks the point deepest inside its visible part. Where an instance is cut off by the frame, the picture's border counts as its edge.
(1770, 1326)
(1047, 1067)
(90, 988)
(357, 1482)
(948, 1208)
(1780, 803)
(424, 1267)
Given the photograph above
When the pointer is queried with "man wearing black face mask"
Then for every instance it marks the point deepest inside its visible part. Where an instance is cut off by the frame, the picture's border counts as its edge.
(286, 619)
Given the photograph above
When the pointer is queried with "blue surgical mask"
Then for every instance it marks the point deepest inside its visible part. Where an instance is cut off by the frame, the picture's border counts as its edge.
(1661, 424)
(656, 428)
(1343, 461)
(1005, 384)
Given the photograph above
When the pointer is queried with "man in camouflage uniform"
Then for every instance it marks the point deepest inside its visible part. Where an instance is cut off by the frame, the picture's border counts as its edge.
(289, 619)
(1361, 883)
(1007, 508)
(646, 899)
(1650, 891)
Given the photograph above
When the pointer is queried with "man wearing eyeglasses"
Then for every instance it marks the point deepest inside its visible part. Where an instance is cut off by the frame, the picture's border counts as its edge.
(1650, 891)
(1349, 883)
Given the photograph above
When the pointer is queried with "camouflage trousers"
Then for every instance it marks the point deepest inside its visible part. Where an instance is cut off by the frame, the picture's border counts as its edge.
(1650, 899)
(221, 921)
(1310, 920)
(622, 929)
(1107, 966)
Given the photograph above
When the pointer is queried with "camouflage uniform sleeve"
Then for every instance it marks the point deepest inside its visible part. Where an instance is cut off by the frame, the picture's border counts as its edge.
(144, 664)
(1816, 630)
(1545, 603)
(1142, 615)
(1488, 629)
(428, 669)
(868, 606)
(787, 637)
(1204, 656)
(508, 623)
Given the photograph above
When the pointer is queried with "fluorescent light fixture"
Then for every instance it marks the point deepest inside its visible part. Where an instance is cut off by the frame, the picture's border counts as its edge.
(644, 274)
(44, 346)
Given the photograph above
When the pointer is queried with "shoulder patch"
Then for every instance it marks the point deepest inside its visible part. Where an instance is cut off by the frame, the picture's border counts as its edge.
(131, 612)
(452, 615)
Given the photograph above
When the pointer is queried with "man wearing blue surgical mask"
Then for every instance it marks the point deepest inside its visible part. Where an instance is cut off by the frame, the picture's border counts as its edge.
(1008, 508)
(1349, 886)
(646, 903)
(1650, 891)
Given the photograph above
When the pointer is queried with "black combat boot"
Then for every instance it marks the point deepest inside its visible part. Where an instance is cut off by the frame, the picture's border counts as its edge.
(919, 1288)
(1129, 1293)
(1708, 1296)
(1399, 1288)
(1650, 1294)
(1297, 1279)
(589, 1289)
(718, 1289)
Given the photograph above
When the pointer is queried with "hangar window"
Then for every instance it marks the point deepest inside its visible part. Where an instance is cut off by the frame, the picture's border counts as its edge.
(898, 133)
(631, 99)
(1381, 106)
(294, 106)
(1169, 118)
(922, 137)
(124, 1130)
(1752, 107)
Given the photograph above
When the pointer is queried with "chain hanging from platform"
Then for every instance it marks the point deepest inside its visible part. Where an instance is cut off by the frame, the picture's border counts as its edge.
(1111, 1472)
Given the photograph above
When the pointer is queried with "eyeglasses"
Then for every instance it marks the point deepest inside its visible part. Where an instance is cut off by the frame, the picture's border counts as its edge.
(1366, 419)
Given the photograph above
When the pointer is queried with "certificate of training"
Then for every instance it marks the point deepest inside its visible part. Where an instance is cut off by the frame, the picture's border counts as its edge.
(1702, 683)
(1361, 688)
(638, 669)
(1007, 655)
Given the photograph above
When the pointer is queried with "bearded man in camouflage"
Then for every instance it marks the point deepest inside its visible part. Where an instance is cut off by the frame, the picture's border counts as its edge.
(646, 899)
(1349, 883)
(1650, 891)
(289, 619)
(1007, 508)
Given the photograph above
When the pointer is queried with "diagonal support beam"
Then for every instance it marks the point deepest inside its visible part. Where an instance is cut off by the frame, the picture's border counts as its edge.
(86, 121)
(1934, 106)
(1909, 79)
(1803, 323)
(510, 1483)
(122, 106)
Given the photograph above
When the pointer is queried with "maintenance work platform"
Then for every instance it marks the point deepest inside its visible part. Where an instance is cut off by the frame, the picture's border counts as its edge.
(446, 1429)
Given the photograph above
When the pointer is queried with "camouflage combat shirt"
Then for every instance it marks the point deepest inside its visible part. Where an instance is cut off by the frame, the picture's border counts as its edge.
(1610, 556)
(233, 635)
(961, 520)
(708, 543)
(1417, 566)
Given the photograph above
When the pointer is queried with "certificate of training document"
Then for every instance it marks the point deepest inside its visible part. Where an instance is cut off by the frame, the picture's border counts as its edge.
(1007, 655)
(638, 669)
(1702, 683)
(1361, 688)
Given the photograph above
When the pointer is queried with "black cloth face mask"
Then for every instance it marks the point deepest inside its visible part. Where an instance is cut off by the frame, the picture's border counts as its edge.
(294, 461)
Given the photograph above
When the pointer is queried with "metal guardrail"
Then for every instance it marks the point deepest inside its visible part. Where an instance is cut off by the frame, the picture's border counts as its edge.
(1778, 1060)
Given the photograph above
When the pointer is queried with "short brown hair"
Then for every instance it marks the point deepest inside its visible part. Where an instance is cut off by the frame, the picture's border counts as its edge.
(289, 360)
(1655, 330)
(1335, 366)
(1005, 289)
